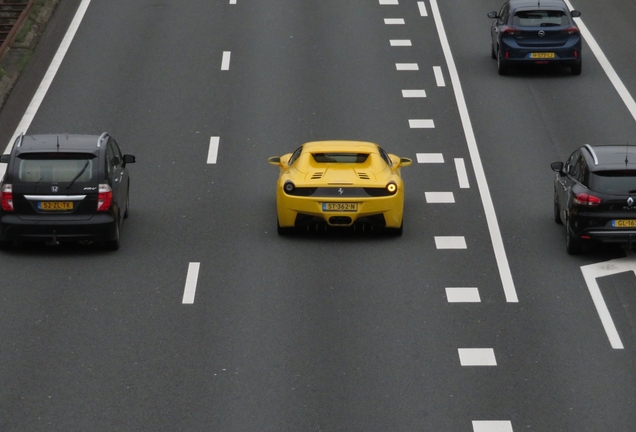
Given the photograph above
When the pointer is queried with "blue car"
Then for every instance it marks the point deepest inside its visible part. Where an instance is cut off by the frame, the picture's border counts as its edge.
(537, 32)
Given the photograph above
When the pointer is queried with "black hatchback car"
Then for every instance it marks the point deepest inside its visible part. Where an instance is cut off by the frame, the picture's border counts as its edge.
(62, 188)
(595, 195)
(535, 32)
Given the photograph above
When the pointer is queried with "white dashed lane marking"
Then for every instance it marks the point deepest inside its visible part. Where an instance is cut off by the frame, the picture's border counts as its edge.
(450, 242)
(407, 66)
(413, 93)
(401, 42)
(462, 176)
(429, 157)
(394, 21)
(232, 1)
(191, 283)
(421, 124)
(439, 197)
(439, 76)
(388, 2)
(492, 426)
(225, 62)
(422, 7)
(463, 295)
(213, 150)
(477, 357)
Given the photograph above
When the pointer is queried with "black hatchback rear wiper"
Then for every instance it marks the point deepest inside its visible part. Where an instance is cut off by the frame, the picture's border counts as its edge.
(78, 175)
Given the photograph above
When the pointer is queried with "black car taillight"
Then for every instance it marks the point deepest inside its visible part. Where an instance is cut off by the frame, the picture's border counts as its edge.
(6, 196)
(586, 200)
(104, 198)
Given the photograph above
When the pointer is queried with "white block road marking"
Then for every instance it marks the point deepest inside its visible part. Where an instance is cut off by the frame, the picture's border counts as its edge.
(225, 63)
(489, 208)
(191, 283)
(450, 242)
(463, 295)
(439, 197)
(232, 1)
(430, 157)
(421, 124)
(492, 426)
(628, 100)
(394, 21)
(477, 357)
(422, 7)
(593, 271)
(439, 76)
(462, 176)
(43, 88)
(414, 93)
(389, 2)
(407, 66)
(214, 149)
(401, 42)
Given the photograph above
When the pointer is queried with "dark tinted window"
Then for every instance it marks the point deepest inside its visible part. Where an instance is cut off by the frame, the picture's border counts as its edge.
(340, 157)
(539, 18)
(56, 167)
(295, 155)
(613, 182)
(385, 156)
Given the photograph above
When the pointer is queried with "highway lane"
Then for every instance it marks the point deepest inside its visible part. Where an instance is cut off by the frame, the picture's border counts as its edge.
(310, 333)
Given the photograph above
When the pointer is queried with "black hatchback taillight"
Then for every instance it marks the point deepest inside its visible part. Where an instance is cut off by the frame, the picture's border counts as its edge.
(6, 196)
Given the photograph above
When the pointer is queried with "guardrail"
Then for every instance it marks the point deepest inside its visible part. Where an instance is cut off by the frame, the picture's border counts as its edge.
(12, 15)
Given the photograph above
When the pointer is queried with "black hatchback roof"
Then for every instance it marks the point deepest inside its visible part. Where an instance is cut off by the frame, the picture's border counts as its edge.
(607, 157)
(65, 142)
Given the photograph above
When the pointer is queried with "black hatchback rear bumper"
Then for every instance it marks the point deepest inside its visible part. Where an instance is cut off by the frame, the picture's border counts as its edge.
(100, 227)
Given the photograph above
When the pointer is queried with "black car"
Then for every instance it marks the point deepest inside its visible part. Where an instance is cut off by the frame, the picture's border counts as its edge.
(535, 32)
(62, 188)
(595, 195)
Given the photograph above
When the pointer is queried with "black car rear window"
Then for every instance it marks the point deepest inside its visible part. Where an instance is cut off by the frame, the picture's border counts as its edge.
(56, 167)
(618, 182)
(539, 18)
(340, 157)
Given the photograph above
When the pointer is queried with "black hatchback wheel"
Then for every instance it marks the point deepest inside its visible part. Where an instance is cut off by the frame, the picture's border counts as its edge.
(557, 211)
(572, 242)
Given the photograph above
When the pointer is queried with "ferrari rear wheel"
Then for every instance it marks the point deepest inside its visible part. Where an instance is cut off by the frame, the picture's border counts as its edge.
(396, 232)
(284, 231)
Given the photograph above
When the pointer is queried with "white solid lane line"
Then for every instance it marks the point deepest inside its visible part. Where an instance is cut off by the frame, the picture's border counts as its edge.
(439, 76)
(450, 242)
(213, 150)
(225, 62)
(413, 93)
(463, 295)
(489, 208)
(628, 100)
(429, 157)
(477, 357)
(492, 426)
(422, 7)
(394, 21)
(33, 107)
(191, 283)
(462, 176)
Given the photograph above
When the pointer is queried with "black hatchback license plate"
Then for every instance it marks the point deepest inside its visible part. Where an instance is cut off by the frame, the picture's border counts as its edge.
(55, 205)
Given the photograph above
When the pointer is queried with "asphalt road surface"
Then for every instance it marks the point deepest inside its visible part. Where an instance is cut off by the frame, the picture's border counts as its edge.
(475, 319)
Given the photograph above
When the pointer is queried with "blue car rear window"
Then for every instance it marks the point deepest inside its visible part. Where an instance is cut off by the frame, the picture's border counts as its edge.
(539, 18)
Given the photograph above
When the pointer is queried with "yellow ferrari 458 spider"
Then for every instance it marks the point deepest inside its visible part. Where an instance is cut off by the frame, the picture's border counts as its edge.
(340, 183)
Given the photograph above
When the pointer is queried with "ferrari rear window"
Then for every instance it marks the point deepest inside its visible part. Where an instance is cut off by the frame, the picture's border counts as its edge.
(56, 167)
(619, 182)
(539, 18)
(340, 157)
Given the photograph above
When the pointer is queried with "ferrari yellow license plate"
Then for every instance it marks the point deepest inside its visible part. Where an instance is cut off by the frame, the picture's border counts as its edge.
(542, 55)
(624, 223)
(351, 207)
(55, 205)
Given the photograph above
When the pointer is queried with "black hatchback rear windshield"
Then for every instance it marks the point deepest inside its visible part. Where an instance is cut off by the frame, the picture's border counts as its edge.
(56, 167)
(619, 182)
(539, 18)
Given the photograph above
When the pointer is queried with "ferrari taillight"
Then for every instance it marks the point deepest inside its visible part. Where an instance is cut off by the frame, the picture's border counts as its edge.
(6, 196)
(104, 198)
(391, 188)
